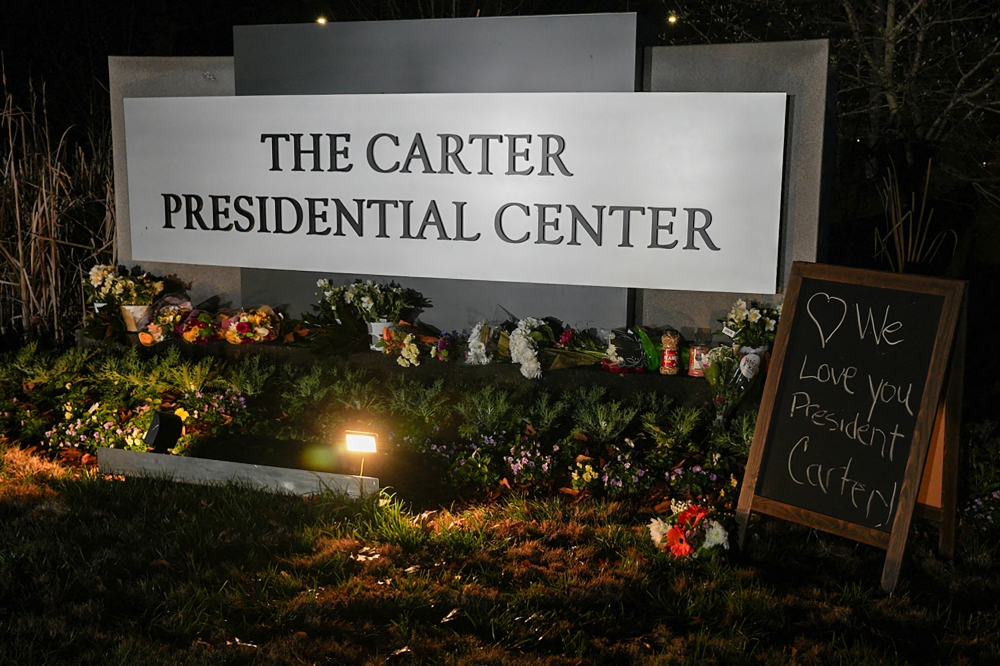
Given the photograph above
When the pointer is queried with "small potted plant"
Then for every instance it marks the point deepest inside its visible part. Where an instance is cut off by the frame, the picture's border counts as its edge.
(378, 305)
(132, 291)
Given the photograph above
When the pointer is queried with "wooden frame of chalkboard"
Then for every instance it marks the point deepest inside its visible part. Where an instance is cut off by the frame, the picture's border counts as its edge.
(855, 393)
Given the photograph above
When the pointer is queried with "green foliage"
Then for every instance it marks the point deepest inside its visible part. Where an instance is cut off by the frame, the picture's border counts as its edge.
(425, 403)
(354, 389)
(598, 418)
(737, 438)
(544, 413)
(487, 411)
(187, 375)
(984, 458)
(248, 376)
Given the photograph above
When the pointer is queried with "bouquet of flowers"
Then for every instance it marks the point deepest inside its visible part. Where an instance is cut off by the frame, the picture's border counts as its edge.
(533, 342)
(110, 284)
(751, 326)
(371, 301)
(523, 345)
(246, 326)
(688, 532)
(403, 344)
(448, 346)
(482, 345)
(199, 327)
(165, 323)
(734, 375)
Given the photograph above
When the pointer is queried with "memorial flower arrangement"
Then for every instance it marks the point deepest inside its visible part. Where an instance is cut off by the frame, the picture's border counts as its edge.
(247, 326)
(689, 532)
(371, 301)
(734, 376)
(535, 344)
(165, 323)
(199, 327)
(752, 325)
(523, 345)
(407, 341)
(403, 345)
(482, 346)
(109, 284)
(448, 346)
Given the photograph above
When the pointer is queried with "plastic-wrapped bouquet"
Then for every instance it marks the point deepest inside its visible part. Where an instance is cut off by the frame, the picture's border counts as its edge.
(482, 346)
(524, 342)
(246, 326)
(109, 284)
(689, 532)
(401, 343)
(372, 301)
(199, 327)
(752, 325)
(164, 323)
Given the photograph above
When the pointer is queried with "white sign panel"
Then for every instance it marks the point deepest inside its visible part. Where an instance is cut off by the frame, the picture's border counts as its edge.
(651, 190)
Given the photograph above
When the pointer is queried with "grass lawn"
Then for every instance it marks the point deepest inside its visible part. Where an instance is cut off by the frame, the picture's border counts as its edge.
(96, 570)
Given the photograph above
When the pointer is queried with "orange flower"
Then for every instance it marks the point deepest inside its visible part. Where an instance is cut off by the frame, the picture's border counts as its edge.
(145, 338)
(677, 542)
(691, 516)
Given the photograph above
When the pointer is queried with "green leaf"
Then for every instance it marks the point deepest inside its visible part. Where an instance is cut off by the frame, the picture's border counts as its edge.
(652, 350)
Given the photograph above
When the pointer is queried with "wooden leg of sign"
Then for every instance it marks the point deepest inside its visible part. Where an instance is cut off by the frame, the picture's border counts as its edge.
(742, 516)
(951, 413)
(952, 432)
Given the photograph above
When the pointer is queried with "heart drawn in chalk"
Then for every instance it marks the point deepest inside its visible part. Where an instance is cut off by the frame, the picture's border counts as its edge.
(825, 312)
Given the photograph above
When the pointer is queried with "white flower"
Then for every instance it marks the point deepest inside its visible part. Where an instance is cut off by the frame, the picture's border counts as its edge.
(769, 326)
(715, 535)
(612, 353)
(677, 506)
(410, 352)
(754, 315)
(531, 368)
(477, 348)
(658, 531)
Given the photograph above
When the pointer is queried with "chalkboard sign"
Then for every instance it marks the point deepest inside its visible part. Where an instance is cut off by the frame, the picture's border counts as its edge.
(850, 402)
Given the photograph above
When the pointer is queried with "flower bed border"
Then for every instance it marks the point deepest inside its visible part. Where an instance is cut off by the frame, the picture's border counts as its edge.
(218, 472)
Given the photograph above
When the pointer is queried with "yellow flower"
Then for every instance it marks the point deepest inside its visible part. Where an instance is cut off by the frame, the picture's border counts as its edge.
(190, 335)
(145, 338)
(183, 413)
(232, 337)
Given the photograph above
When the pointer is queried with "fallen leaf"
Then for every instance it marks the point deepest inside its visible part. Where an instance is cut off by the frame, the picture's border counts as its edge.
(402, 650)
(662, 507)
(451, 616)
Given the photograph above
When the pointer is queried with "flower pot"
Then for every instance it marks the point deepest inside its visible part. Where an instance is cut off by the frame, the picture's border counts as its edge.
(135, 316)
(375, 329)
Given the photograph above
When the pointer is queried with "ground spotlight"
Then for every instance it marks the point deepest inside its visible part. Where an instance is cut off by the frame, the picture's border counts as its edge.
(361, 442)
(163, 432)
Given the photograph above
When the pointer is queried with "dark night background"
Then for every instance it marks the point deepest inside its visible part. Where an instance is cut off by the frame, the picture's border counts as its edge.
(61, 47)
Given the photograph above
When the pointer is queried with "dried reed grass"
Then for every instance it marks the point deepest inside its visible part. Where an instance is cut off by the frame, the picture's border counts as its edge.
(56, 219)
